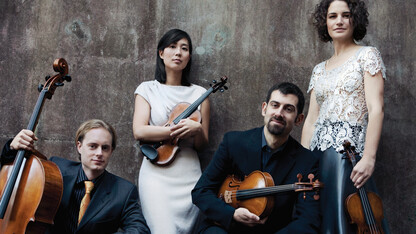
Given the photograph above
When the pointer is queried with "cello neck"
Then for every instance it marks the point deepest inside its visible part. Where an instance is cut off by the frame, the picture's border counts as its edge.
(37, 110)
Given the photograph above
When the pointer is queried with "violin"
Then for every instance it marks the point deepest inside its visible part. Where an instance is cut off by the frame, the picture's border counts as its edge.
(163, 153)
(255, 191)
(364, 208)
(32, 187)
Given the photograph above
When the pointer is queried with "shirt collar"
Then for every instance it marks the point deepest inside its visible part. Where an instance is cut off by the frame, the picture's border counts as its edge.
(265, 147)
(82, 177)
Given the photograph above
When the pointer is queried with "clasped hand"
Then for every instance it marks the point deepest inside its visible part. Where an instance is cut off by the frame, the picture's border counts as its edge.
(185, 128)
(245, 217)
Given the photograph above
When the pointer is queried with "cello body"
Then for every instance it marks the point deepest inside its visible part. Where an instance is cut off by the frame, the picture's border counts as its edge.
(35, 198)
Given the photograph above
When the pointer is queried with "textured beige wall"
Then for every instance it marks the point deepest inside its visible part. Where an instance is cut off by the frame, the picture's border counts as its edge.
(110, 47)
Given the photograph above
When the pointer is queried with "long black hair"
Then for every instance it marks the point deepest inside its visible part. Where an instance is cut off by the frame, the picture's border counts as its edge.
(172, 36)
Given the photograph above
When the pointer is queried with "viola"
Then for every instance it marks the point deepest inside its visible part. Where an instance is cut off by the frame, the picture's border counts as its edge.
(255, 191)
(32, 187)
(365, 208)
(163, 153)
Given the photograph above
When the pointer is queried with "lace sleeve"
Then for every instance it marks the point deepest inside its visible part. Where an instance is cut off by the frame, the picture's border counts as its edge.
(373, 63)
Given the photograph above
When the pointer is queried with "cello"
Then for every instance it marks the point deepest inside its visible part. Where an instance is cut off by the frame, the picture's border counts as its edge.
(255, 192)
(365, 209)
(163, 153)
(32, 187)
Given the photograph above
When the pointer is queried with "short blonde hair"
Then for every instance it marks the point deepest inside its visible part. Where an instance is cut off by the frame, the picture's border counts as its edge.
(95, 123)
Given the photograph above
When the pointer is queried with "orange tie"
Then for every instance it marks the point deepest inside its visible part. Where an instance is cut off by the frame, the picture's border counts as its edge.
(89, 185)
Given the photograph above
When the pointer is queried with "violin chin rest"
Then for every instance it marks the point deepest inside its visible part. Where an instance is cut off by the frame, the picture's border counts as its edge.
(149, 152)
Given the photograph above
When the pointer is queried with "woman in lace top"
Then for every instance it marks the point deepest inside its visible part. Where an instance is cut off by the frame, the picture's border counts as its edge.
(346, 103)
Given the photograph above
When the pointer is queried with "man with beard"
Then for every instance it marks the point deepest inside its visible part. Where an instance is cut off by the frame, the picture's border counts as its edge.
(268, 149)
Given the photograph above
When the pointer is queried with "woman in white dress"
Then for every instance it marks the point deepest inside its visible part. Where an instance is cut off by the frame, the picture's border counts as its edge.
(346, 103)
(165, 191)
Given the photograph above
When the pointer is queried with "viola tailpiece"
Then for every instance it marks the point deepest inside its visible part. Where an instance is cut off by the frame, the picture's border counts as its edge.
(255, 191)
(364, 208)
(163, 153)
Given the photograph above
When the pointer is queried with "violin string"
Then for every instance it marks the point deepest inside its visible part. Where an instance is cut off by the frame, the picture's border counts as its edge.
(192, 107)
(256, 191)
(367, 210)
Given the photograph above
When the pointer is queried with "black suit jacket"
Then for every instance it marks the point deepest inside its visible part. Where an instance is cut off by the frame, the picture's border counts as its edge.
(114, 204)
(240, 154)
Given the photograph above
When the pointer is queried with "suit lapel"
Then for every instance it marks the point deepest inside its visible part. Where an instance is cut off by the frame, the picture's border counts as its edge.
(253, 150)
(99, 200)
(69, 178)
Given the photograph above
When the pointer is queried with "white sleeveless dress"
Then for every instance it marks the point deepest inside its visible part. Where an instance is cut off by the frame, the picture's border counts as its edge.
(165, 192)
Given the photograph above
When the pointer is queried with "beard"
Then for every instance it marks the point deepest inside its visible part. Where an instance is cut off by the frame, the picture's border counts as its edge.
(276, 129)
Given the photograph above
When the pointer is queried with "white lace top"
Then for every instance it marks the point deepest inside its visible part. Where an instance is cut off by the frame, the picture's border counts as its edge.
(339, 92)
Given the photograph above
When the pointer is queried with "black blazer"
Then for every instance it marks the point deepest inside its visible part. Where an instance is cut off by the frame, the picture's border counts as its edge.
(240, 154)
(113, 206)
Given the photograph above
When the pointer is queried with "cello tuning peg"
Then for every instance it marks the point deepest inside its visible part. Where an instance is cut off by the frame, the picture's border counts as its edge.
(47, 78)
(225, 87)
(40, 87)
(59, 84)
(214, 81)
(67, 78)
(221, 90)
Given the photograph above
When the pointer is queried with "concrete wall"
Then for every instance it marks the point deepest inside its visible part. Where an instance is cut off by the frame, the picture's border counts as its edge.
(110, 47)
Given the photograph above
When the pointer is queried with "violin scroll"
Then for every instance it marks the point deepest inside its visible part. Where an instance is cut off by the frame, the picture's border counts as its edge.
(219, 85)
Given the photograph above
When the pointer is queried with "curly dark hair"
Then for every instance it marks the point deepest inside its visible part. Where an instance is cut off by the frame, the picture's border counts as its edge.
(359, 15)
(172, 36)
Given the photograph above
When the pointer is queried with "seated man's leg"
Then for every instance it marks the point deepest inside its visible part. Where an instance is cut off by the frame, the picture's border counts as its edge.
(214, 230)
